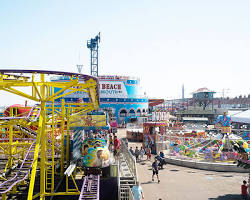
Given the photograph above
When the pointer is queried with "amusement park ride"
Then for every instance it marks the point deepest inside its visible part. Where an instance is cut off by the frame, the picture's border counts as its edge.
(35, 141)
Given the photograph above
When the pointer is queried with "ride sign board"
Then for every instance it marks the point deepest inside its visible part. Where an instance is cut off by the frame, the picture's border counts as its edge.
(111, 87)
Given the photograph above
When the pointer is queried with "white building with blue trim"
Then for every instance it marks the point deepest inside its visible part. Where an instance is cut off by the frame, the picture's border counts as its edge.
(120, 95)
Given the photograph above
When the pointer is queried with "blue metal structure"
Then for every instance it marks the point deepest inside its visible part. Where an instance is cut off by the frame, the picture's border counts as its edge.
(92, 44)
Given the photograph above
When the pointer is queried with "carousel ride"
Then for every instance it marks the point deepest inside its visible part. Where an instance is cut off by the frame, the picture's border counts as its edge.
(218, 145)
(35, 140)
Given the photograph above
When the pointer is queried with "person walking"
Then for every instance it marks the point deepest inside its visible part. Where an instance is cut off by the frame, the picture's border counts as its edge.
(142, 152)
(155, 170)
(148, 153)
(244, 190)
(131, 151)
(117, 145)
(162, 154)
(137, 153)
(137, 192)
(110, 142)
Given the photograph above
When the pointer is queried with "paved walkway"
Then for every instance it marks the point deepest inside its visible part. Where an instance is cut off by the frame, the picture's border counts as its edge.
(181, 183)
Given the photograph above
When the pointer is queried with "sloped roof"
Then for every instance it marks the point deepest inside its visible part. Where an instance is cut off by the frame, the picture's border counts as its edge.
(155, 102)
(202, 90)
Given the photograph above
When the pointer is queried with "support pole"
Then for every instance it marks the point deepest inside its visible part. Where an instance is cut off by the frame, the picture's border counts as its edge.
(67, 147)
(53, 146)
(68, 138)
(43, 141)
(62, 137)
(10, 160)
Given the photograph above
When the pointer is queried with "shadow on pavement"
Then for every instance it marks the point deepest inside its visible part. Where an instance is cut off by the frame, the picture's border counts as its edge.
(227, 176)
(227, 197)
(144, 183)
(190, 172)
(174, 170)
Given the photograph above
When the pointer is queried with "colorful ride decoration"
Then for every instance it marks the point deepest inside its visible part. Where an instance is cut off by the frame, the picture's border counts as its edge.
(187, 144)
(225, 147)
(246, 135)
(208, 148)
(243, 158)
(95, 153)
(225, 123)
(150, 131)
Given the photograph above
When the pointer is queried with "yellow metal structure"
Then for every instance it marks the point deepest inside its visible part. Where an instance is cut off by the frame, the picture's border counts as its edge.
(51, 128)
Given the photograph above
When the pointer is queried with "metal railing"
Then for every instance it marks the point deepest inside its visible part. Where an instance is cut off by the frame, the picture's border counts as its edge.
(130, 159)
(118, 181)
(126, 193)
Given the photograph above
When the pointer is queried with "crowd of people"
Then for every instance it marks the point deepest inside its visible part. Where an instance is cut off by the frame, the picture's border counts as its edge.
(139, 153)
(139, 156)
(158, 161)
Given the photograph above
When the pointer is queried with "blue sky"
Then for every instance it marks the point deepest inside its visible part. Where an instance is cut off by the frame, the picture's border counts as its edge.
(198, 43)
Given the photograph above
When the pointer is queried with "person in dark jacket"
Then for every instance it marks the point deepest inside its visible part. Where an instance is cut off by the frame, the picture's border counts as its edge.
(155, 170)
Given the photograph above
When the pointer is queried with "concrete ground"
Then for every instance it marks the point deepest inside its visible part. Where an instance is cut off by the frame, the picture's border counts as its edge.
(178, 183)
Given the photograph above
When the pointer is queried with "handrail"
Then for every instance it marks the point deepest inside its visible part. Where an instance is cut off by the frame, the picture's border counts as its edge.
(130, 160)
(118, 180)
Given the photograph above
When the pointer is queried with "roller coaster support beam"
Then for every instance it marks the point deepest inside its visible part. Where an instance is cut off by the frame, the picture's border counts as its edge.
(62, 137)
(53, 146)
(43, 91)
(10, 160)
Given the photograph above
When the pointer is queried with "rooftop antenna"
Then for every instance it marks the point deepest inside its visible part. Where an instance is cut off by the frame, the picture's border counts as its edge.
(183, 92)
(92, 44)
(79, 68)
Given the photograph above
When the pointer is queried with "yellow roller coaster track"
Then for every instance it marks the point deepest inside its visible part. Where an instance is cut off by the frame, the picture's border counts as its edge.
(53, 121)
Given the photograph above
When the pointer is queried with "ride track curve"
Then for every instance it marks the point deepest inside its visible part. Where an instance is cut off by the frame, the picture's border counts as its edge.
(21, 174)
(43, 92)
(84, 77)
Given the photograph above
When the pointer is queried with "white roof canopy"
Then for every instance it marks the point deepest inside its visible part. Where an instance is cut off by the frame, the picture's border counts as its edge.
(195, 119)
(242, 117)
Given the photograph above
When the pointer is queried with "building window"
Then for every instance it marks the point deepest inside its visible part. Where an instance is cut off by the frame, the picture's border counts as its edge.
(131, 113)
(123, 113)
(138, 112)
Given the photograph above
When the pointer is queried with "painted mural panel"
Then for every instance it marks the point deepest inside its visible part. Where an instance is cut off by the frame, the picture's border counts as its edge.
(95, 153)
(88, 120)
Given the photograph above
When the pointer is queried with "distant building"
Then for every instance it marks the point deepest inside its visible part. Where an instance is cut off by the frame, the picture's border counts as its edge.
(203, 97)
(199, 108)
(120, 96)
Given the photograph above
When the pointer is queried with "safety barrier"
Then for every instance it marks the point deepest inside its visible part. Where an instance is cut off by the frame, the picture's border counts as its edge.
(130, 159)
(126, 193)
